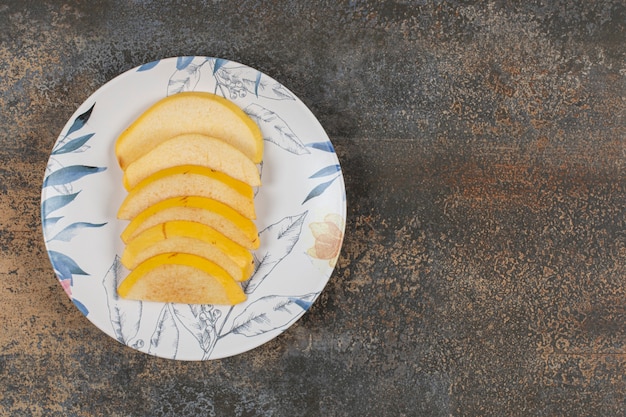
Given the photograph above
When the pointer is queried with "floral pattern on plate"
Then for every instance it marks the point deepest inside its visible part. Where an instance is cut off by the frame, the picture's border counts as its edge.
(301, 211)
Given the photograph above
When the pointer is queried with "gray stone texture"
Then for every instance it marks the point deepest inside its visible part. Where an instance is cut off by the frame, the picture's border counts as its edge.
(484, 266)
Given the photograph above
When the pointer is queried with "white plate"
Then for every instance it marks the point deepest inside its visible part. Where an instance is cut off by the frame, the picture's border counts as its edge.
(301, 210)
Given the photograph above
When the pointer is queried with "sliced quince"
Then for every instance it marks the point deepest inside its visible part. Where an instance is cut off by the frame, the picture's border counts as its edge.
(181, 278)
(186, 180)
(190, 112)
(193, 149)
(189, 237)
(203, 210)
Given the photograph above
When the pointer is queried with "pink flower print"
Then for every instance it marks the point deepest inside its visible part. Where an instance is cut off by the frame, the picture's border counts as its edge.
(328, 237)
(66, 284)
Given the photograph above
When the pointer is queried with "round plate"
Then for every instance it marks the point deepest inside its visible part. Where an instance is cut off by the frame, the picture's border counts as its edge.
(301, 210)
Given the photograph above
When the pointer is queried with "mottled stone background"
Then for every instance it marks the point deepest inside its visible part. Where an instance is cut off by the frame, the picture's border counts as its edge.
(484, 265)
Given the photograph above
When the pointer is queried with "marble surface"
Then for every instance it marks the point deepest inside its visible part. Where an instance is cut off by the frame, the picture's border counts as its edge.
(484, 266)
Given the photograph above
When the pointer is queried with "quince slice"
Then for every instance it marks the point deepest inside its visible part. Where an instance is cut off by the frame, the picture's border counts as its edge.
(203, 210)
(181, 278)
(186, 180)
(189, 237)
(193, 149)
(190, 112)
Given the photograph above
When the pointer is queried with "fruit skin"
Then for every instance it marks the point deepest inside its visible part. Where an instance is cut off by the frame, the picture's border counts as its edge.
(188, 180)
(189, 237)
(190, 112)
(203, 210)
(181, 278)
(193, 149)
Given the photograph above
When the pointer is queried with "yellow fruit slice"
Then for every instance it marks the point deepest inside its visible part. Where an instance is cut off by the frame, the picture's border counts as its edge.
(181, 244)
(203, 210)
(193, 149)
(189, 237)
(188, 180)
(181, 278)
(190, 112)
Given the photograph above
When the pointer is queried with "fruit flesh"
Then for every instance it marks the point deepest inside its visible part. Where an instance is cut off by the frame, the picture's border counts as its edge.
(201, 210)
(181, 278)
(188, 180)
(189, 237)
(193, 149)
(190, 112)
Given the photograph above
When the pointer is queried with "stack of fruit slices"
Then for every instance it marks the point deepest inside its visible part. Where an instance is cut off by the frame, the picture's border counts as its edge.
(190, 168)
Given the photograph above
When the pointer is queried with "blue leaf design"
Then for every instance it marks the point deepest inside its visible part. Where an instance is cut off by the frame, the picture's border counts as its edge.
(54, 203)
(275, 129)
(69, 174)
(281, 237)
(80, 306)
(200, 321)
(303, 303)
(183, 61)
(322, 146)
(187, 75)
(125, 316)
(72, 230)
(257, 83)
(50, 221)
(149, 65)
(64, 265)
(165, 335)
(80, 121)
(329, 170)
(239, 80)
(219, 63)
(278, 92)
(267, 88)
(270, 313)
(72, 145)
(319, 189)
